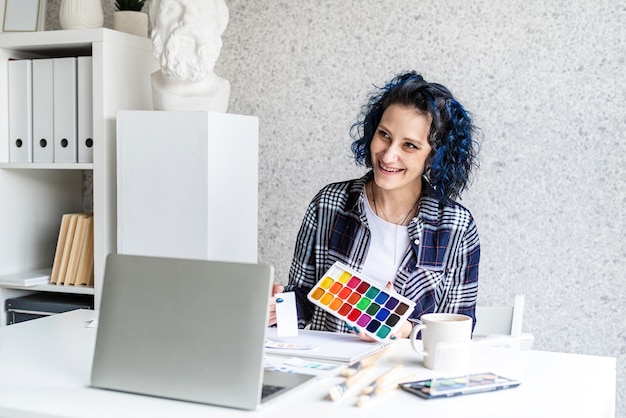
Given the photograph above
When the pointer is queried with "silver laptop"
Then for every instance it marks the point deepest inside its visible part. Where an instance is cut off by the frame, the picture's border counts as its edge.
(190, 330)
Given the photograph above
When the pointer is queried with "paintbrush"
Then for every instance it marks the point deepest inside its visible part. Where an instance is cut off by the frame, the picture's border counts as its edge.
(367, 361)
(381, 380)
(336, 392)
(381, 390)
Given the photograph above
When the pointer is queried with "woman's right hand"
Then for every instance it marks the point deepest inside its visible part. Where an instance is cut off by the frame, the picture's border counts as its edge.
(276, 288)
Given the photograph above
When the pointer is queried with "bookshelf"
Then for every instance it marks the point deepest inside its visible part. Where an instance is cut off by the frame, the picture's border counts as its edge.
(35, 195)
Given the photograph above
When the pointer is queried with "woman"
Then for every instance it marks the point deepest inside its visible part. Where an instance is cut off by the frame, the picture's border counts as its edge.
(398, 223)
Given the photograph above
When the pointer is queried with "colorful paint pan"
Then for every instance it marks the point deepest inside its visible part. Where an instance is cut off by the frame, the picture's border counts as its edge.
(361, 302)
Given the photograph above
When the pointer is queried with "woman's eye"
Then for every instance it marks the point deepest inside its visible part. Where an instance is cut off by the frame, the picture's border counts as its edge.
(383, 134)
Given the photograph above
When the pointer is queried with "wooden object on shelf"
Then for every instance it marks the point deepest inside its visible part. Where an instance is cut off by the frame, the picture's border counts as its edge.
(58, 255)
(84, 271)
(76, 253)
(67, 248)
(74, 258)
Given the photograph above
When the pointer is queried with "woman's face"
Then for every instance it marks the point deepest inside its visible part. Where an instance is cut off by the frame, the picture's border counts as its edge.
(400, 147)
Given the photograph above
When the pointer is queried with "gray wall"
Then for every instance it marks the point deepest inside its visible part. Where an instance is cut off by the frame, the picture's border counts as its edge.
(543, 78)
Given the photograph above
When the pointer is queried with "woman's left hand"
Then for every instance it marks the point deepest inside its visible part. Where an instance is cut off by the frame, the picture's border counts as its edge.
(276, 288)
(403, 332)
(362, 335)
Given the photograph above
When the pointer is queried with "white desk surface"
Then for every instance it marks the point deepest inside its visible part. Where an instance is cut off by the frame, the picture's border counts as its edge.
(45, 367)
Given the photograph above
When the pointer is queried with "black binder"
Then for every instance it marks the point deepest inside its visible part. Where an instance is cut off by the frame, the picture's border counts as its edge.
(38, 305)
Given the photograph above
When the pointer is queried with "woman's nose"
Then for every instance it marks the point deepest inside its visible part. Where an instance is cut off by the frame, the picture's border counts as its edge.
(390, 153)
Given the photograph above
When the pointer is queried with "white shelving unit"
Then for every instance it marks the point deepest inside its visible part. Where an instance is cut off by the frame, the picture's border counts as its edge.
(35, 195)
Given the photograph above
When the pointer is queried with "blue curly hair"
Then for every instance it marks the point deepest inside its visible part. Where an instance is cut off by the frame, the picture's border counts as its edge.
(451, 136)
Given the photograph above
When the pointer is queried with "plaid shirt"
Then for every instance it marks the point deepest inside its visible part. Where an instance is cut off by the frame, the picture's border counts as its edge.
(439, 271)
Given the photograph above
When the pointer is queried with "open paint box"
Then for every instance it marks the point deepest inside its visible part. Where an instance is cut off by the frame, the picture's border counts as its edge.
(361, 302)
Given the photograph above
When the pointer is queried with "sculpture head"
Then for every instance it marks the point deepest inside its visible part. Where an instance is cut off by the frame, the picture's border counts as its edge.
(187, 36)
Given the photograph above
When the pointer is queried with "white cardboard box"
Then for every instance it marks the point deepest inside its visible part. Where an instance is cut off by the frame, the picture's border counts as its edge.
(187, 185)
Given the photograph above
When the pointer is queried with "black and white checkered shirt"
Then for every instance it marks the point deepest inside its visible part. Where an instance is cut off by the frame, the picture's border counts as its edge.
(439, 271)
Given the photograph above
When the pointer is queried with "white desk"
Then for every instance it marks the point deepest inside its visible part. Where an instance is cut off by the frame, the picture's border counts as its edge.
(45, 369)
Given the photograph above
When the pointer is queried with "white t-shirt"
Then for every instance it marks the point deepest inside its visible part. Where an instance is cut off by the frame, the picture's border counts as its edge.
(388, 245)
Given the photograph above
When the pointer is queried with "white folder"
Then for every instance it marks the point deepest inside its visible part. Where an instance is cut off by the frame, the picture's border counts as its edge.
(85, 109)
(20, 111)
(65, 143)
(43, 111)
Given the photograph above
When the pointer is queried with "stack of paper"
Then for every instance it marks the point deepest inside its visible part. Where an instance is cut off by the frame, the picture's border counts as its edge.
(30, 278)
(321, 345)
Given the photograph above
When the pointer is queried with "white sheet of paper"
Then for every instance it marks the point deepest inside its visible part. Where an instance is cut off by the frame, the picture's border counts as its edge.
(286, 315)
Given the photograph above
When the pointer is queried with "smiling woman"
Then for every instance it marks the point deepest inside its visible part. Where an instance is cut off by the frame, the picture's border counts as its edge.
(398, 224)
(23, 15)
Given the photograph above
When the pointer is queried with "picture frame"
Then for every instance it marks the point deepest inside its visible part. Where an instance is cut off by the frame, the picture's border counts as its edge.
(23, 15)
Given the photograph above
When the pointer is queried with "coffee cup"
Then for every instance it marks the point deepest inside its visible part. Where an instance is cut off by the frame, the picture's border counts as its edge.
(445, 341)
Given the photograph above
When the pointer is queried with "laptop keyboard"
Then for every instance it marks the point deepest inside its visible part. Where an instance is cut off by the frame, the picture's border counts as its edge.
(268, 390)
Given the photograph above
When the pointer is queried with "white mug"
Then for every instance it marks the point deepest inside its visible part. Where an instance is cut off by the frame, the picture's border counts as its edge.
(444, 328)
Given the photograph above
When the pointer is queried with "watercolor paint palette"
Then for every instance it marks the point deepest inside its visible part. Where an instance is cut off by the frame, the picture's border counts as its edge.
(361, 302)
(462, 385)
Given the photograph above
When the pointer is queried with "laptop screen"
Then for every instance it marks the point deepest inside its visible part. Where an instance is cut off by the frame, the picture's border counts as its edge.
(184, 329)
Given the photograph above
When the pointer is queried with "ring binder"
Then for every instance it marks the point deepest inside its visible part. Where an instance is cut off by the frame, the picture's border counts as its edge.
(20, 111)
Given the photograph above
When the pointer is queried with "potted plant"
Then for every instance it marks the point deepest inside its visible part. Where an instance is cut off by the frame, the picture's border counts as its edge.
(129, 18)
(133, 5)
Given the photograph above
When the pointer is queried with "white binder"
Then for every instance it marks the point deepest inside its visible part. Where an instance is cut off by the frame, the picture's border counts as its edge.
(20, 111)
(43, 111)
(85, 109)
(65, 143)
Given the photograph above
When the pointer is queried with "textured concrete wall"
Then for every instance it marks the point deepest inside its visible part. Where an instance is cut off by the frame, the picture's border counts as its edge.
(545, 82)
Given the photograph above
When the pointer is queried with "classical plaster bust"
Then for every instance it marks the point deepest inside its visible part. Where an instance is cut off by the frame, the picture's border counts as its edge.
(187, 40)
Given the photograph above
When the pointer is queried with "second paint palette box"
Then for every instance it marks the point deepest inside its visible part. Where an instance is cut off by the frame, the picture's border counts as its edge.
(361, 302)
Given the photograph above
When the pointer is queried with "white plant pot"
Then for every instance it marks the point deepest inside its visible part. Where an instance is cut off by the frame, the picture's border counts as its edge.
(132, 22)
(81, 14)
